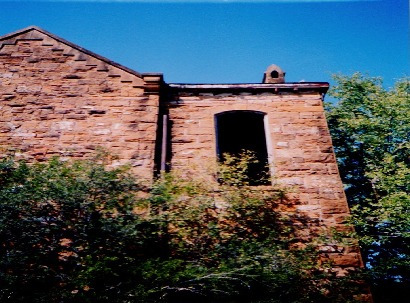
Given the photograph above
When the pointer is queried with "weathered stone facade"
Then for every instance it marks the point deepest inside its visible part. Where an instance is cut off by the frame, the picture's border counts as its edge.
(299, 145)
(57, 98)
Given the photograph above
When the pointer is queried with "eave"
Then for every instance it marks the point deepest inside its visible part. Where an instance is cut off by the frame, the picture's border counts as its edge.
(253, 88)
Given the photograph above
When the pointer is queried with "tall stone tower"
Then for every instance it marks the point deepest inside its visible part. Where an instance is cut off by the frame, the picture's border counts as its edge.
(59, 99)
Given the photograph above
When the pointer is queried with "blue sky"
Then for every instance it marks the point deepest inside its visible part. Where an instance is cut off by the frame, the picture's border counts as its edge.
(231, 41)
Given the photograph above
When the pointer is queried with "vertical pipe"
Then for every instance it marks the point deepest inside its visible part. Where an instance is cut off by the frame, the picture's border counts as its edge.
(218, 155)
(164, 143)
(269, 148)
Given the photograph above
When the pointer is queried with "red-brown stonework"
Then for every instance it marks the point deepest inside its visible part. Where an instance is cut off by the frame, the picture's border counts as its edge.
(299, 146)
(58, 99)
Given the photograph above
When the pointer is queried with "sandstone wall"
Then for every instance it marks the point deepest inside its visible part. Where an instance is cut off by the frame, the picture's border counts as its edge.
(299, 144)
(58, 100)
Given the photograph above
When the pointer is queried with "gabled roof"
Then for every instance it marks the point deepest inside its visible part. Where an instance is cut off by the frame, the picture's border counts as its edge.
(71, 49)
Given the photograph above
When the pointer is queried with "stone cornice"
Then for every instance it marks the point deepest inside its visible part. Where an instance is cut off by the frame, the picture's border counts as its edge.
(254, 88)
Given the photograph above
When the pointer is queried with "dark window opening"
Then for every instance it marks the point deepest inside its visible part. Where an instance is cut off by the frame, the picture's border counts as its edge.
(244, 131)
(274, 74)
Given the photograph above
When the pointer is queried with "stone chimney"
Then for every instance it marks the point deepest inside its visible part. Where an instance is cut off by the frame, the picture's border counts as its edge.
(274, 74)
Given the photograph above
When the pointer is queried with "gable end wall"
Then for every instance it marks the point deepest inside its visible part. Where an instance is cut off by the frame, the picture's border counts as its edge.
(58, 101)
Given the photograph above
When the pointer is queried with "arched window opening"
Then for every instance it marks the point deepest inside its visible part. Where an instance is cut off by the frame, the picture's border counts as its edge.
(274, 74)
(244, 131)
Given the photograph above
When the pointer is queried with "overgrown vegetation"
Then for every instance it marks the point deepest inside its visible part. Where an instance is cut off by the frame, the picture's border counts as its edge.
(76, 232)
(243, 169)
(370, 127)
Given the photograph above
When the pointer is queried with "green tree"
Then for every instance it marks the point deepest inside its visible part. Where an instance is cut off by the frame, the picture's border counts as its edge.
(233, 244)
(77, 232)
(370, 128)
(67, 232)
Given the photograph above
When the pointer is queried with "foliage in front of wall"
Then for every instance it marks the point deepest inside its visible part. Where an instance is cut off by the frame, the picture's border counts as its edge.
(77, 232)
(370, 128)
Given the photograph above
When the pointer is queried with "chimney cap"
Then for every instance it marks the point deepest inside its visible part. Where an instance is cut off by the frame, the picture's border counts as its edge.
(274, 74)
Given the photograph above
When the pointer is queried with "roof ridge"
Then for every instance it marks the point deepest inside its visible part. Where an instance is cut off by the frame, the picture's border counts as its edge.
(15, 34)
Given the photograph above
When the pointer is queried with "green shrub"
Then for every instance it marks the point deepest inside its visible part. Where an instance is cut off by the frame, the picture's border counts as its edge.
(77, 232)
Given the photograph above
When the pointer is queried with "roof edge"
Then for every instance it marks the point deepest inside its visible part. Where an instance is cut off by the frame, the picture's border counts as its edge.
(237, 85)
(19, 32)
(72, 45)
(321, 87)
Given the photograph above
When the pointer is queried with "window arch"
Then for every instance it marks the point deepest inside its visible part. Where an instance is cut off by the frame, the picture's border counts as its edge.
(244, 130)
(274, 74)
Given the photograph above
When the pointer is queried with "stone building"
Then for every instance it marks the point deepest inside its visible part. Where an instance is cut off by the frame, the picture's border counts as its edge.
(58, 99)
